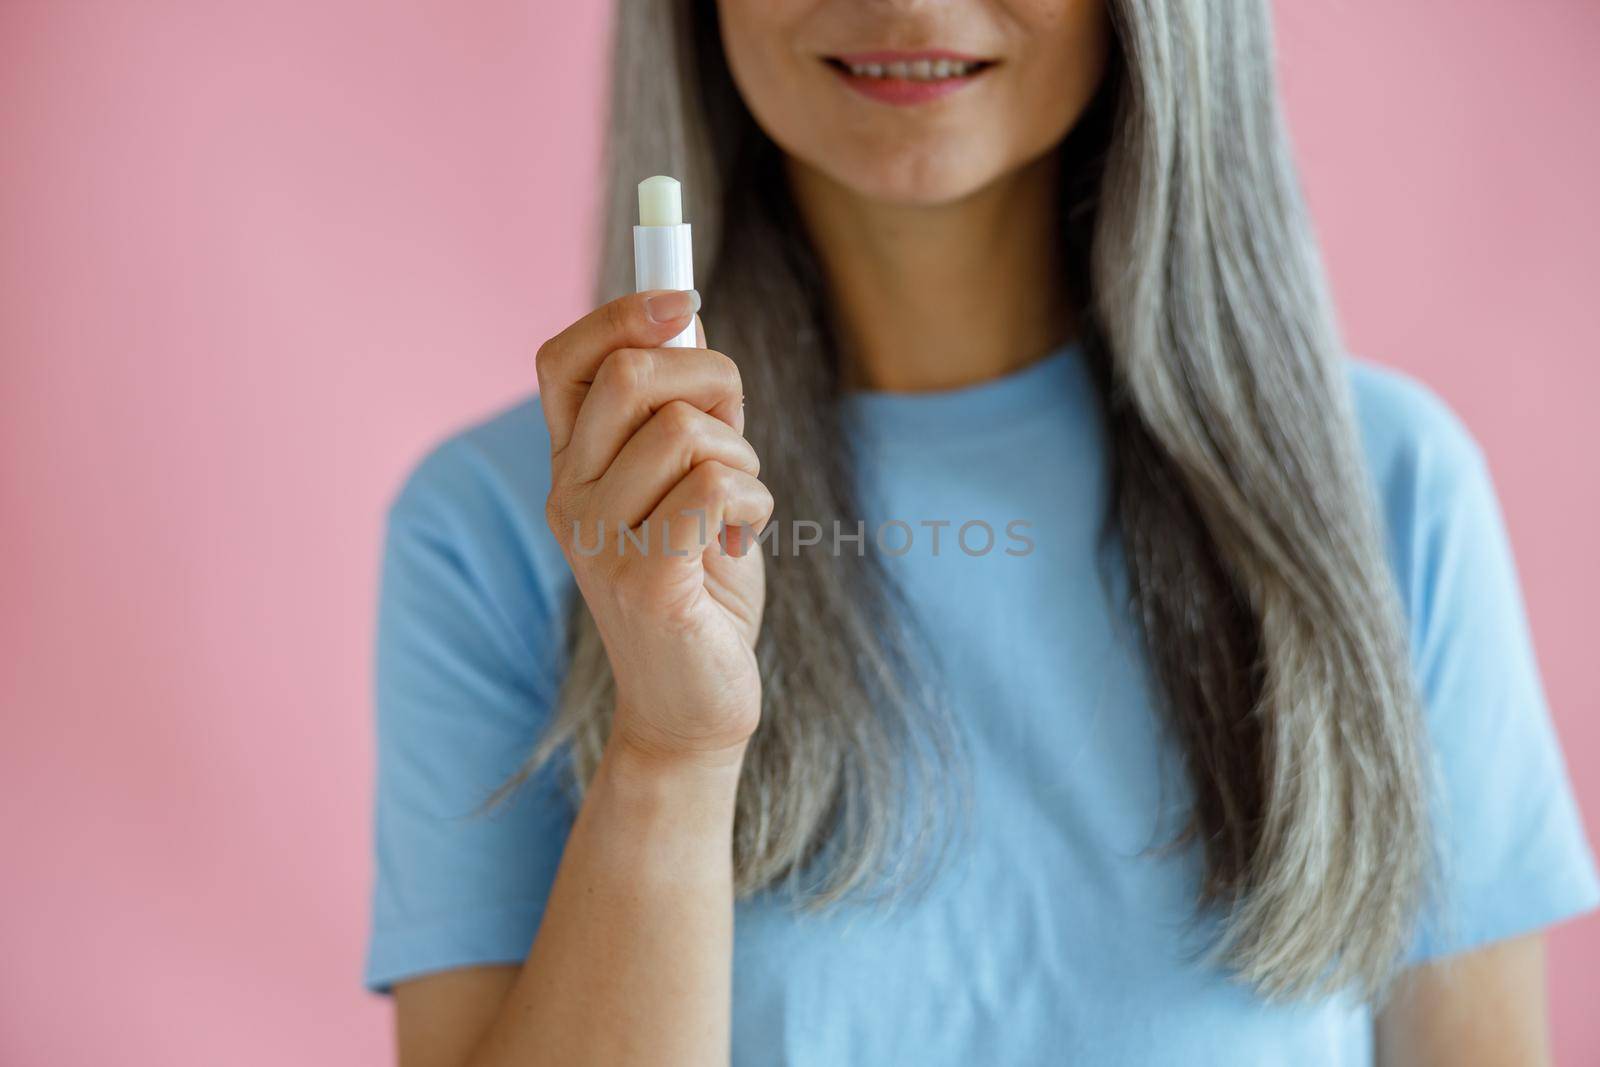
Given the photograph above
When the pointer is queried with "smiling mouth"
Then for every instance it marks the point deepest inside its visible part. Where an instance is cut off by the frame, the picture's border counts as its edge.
(908, 66)
(907, 78)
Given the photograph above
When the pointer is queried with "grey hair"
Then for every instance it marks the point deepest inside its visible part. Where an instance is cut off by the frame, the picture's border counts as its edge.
(1250, 535)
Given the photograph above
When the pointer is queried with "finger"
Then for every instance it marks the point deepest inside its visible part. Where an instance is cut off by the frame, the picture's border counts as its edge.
(708, 499)
(566, 363)
(631, 386)
(730, 411)
(667, 447)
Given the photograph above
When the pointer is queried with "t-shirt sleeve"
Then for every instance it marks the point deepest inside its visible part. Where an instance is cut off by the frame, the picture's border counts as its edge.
(465, 680)
(1512, 856)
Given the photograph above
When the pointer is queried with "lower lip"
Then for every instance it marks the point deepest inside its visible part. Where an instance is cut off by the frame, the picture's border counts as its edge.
(905, 92)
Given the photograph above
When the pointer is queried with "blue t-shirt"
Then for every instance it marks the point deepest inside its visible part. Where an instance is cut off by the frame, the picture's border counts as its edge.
(1061, 931)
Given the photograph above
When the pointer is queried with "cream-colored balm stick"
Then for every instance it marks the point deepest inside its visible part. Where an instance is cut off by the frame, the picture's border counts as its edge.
(663, 256)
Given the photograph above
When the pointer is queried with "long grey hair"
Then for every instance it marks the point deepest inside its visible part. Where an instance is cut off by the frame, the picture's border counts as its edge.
(1241, 501)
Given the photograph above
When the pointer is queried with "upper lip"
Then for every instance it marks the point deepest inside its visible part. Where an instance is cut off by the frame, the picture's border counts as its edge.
(890, 55)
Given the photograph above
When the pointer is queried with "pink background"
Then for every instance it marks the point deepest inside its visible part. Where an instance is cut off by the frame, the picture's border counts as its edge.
(253, 257)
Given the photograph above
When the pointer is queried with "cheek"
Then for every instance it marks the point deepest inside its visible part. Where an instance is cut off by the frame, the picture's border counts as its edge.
(1069, 53)
(1054, 18)
(755, 42)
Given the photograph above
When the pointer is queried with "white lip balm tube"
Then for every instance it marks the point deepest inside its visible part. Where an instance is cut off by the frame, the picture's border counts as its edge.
(663, 256)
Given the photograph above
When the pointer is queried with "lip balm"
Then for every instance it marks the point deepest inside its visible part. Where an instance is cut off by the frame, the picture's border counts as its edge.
(663, 255)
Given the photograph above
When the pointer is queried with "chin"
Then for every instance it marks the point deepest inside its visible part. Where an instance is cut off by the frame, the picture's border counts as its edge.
(925, 177)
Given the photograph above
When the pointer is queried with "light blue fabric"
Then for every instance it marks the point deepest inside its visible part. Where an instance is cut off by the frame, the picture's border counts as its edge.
(1061, 932)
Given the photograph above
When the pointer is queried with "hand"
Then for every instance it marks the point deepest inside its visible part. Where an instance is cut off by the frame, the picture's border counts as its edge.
(651, 441)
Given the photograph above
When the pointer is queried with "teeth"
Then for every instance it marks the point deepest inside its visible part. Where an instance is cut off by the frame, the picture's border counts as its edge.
(917, 70)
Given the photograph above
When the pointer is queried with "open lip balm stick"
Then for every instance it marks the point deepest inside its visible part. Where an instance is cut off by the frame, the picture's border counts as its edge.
(663, 257)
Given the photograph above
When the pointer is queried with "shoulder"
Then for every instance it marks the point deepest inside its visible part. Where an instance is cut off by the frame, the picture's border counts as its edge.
(1424, 463)
(501, 461)
(1413, 441)
(1430, 480)
(478, 498)
(470, 654)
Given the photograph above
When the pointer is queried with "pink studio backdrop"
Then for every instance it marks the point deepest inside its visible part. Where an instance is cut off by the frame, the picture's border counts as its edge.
(254, 257)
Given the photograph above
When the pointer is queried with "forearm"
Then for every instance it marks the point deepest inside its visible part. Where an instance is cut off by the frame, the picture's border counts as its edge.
(633, 957)
(1485, 1007)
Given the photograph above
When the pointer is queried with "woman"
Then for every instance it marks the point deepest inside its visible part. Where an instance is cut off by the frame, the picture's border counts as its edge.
(1214, 747)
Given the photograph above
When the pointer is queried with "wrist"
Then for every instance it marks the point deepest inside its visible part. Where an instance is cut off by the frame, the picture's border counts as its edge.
(643, 751)
(692, 790)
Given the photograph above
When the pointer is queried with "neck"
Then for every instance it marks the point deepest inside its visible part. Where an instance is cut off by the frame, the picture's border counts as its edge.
(938, 297)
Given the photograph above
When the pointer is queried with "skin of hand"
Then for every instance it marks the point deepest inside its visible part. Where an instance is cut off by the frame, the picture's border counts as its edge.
(649, 465)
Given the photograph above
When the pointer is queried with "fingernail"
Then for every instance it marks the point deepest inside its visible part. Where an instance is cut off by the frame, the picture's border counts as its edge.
(672, 305)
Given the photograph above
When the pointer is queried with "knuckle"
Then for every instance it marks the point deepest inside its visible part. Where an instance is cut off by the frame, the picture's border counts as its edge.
(681, 420)
(728, 371)
(544, 356)
(717, 480)
(615, 315)
(625, 372)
